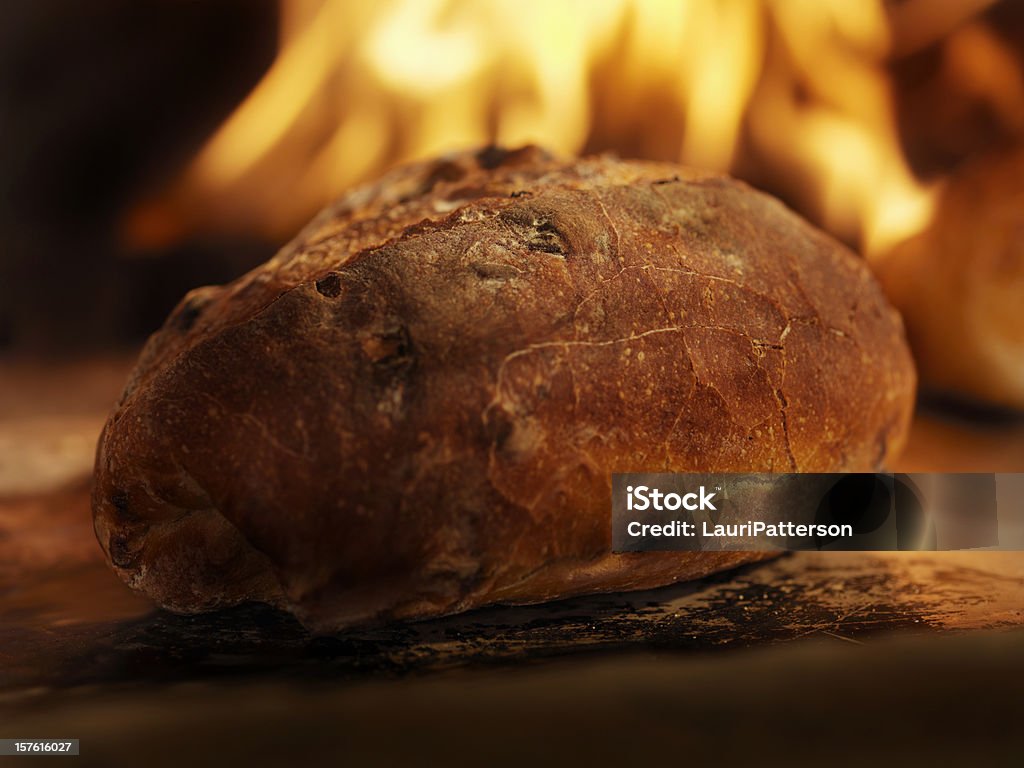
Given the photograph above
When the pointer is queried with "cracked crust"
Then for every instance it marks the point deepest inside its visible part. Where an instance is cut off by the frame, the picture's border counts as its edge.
(415, 407)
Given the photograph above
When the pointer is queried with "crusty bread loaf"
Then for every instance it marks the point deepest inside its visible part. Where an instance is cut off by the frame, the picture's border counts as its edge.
(415, 408)
(960, 285)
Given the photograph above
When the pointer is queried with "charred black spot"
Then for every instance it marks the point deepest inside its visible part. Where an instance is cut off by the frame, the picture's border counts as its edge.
(120, 501)
(120, 550)
(122, 506)
(184, 318)
(444, 171)
(390, 349)
(536, 230)
(187, 318)
(521, 193)
(329, 285)
(665, 181)
(547, 238)
(491, 157)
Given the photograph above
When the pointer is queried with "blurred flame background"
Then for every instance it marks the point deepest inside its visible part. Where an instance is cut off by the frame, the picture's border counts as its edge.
(795, 92)
(159, 146)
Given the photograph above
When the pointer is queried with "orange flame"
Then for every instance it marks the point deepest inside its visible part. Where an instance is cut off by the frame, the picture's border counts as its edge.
(798, 84)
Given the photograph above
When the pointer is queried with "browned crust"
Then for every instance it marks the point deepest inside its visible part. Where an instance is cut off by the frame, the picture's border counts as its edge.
(960, 282)
(414, 409)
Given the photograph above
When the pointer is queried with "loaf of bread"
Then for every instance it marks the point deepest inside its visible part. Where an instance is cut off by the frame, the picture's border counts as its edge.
(960, 285)
(414, 409)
